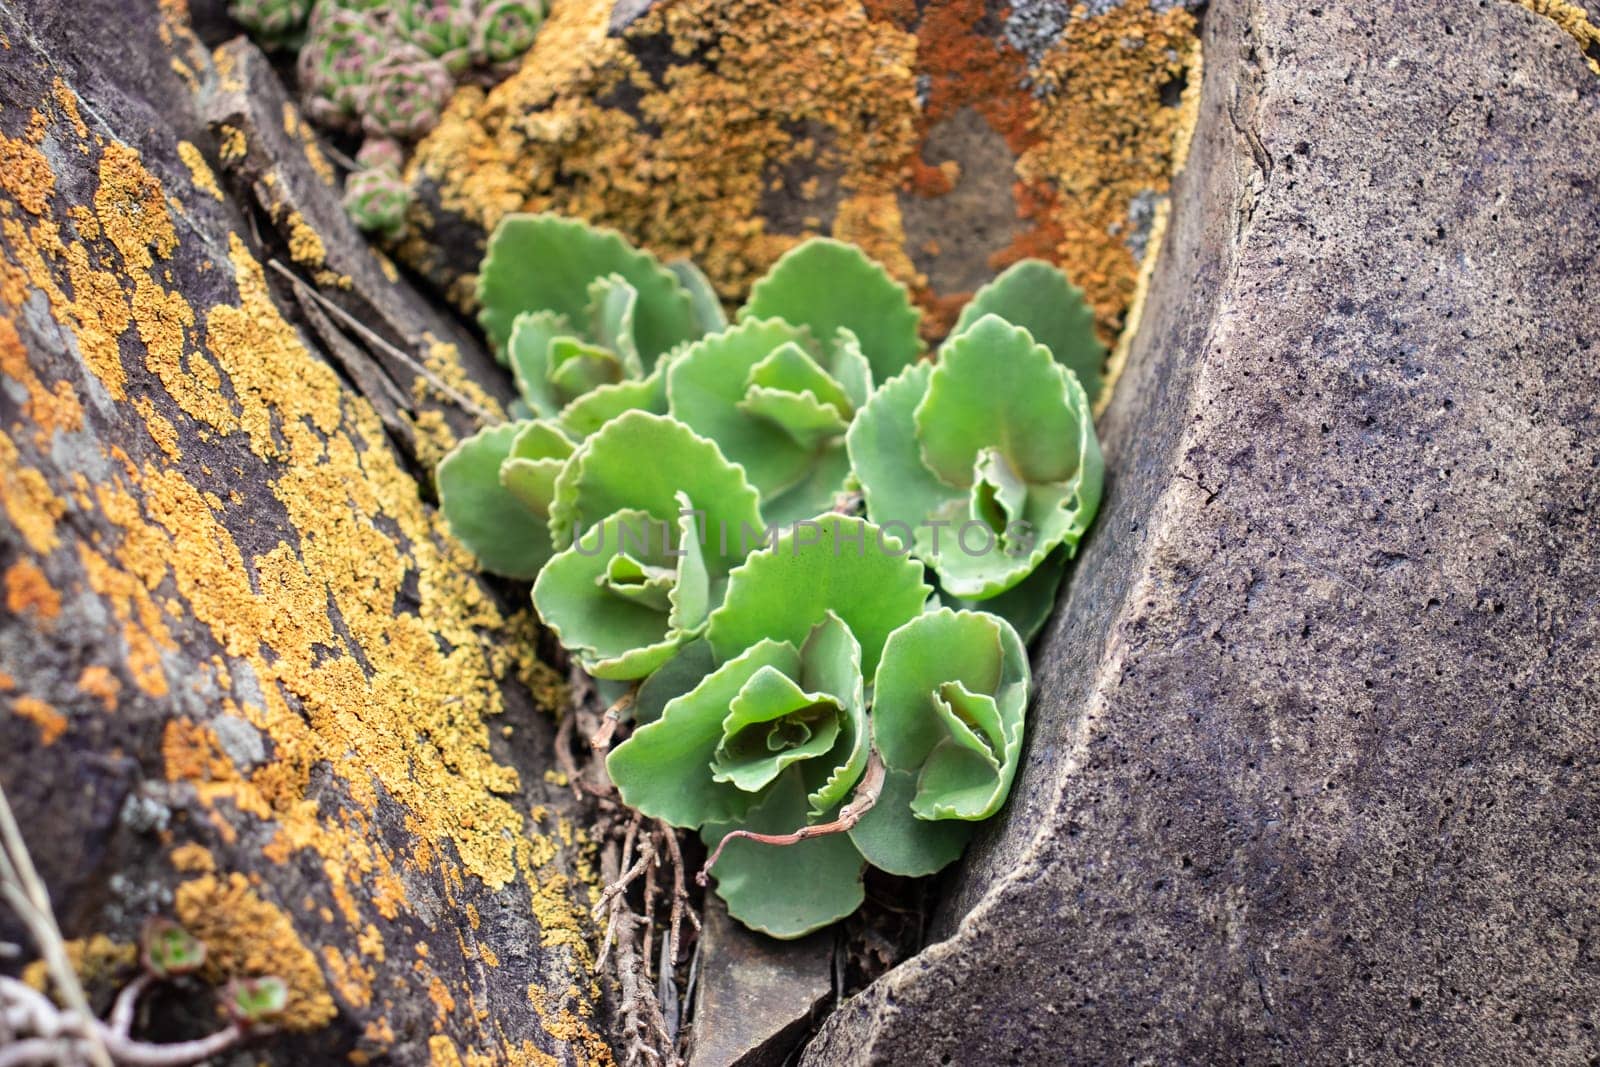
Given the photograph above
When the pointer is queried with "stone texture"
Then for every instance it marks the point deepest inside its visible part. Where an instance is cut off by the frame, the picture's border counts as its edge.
(1312, 771)
(245, 677)
(757, 997)
(946, 137)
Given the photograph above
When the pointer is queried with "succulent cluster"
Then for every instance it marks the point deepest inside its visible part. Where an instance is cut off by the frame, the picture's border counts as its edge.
(683, 494)
(387, 68)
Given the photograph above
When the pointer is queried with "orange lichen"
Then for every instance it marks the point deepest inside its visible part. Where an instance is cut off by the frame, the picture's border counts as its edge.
(246, 936)
(1107, 138)
(722, 155)
(97, 960)
(28, 590)
(199, 169)
(98, 682)
(51, 723)
(27, 500)
(26, 175)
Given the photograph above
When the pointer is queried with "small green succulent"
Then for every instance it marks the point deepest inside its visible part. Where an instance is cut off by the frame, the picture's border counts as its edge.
(406, 92)
(254, 1002)
(504, 31)
(441, 28)
(167, 950)
(376, 200)
(342, 45)
(816, 692)
(275, 23)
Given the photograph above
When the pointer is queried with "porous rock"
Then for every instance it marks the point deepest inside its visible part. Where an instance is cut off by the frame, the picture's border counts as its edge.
(1311, 774)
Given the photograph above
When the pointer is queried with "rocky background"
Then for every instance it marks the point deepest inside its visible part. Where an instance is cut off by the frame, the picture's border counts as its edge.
(1312, 769)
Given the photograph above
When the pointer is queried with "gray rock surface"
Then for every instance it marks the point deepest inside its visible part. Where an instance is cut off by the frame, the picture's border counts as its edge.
(1312, 771)
(245, 678)
(757, 996)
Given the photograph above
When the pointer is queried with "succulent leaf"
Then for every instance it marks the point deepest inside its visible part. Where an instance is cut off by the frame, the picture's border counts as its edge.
(949, 700)
(627, 594)
(826, 285)
(488, 517)
(167, 950)
(708, 314)
(643, 461)
(790, 891)
(1038, 297)
(893, 839)
(547, 263)
(833, 564)
(256, 1001)
(989, 456)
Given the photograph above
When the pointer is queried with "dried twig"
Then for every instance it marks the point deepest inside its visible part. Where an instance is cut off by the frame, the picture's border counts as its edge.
(372, 338)
(601, 741)
(861, 802)
(22, 888)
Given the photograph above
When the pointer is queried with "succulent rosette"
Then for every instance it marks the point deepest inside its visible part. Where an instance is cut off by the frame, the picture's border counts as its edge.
(988, 459)
(342, 45)
(778, 391)
(441, 28)
(274, 23)
(586, 321)
(645, 518)
(376, 200)
(504, 31)
(406, 92)
(776, 736)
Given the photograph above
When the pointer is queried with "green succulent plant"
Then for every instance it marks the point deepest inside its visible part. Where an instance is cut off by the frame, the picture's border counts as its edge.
(342, 45)
(988, 457)
(442, 28)
(805, 696)
(635, 576)
(167, 950)
(406, 92)
(504, 31)
(778, 393)
(256, 1001)
(275, 23)
(376, 200)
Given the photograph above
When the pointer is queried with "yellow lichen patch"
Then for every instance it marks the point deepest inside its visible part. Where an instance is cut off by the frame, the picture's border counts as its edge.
(296, 127)
(26, 175)
(51, 723)
(132, 208)
(1106, 139)
(95, 960)
(1572, 19)
(247, 936)
(28, 590)
(199, 169)
(232, 144)
(98, 682)
(688, 175)
(28, 502)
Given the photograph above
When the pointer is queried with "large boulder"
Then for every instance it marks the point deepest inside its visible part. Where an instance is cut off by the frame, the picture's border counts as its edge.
(248, 680)
(1312, 770)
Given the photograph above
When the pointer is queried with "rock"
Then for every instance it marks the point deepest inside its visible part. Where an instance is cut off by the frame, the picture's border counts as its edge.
(1312, 771)
(758, 997)
(246, 679)
(945, 137)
